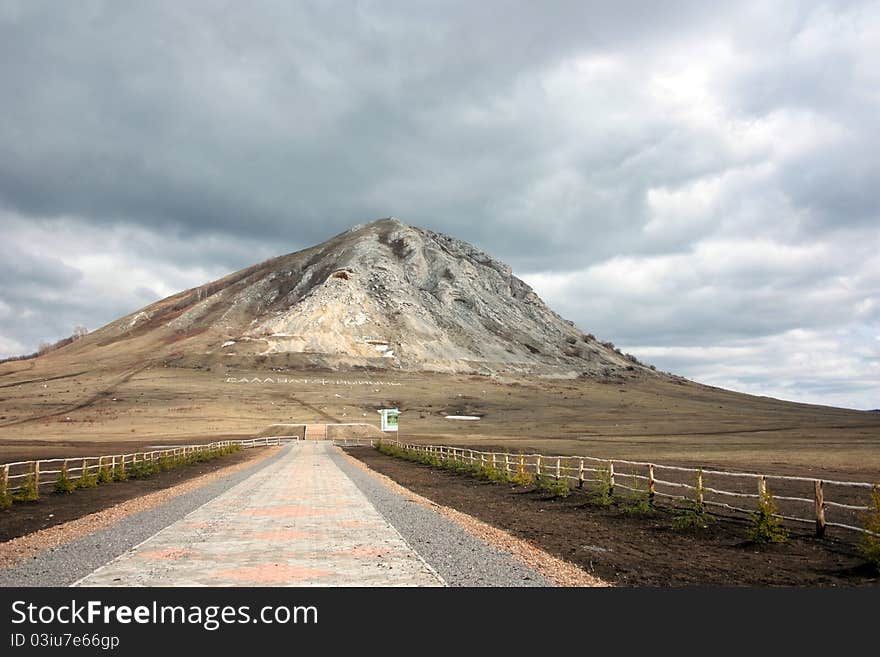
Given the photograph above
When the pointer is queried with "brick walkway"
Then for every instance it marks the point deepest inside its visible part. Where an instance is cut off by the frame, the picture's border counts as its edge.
(298, 522)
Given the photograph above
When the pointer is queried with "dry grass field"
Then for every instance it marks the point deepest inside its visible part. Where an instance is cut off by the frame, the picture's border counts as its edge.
(64, 404)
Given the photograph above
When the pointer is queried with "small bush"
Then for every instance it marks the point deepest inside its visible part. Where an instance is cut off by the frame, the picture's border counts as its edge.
(86, 479)
(64, 484)
(766, 527)
(498, 475)
(492, 473)
(28, 491)
(522, 477)
(552, 486)
(119, 473)
(693, 514)
(484, 471)
(105, 475)
(603, 494)
(141, 470)
(639, 503)
(869, 546)
(5, 496)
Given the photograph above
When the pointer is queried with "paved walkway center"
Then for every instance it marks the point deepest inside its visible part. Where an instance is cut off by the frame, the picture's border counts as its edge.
(299, 521)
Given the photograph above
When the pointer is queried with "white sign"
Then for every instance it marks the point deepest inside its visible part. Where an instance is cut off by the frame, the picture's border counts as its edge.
(389, 419)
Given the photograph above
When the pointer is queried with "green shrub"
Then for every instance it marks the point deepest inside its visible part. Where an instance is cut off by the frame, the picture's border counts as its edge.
(638, 501)
(491, 473)
(766, 527)
(693, 513)
(483, 470)
(869, 545)
(522, 477)
(5, 496)
(28, 491)
(120, 473)
(141, 469)
(602, 494)
(86, 479)
(552, 486)
(64, 484)
(105, 475)
(498, 475)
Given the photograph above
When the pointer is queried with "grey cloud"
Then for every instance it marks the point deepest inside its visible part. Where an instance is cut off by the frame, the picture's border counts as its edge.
(146, 116)
(39, 271)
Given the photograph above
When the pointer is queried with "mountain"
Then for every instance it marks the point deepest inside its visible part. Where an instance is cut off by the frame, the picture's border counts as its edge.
(382, 294)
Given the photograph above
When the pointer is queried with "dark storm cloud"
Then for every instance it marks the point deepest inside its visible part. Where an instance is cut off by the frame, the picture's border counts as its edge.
(271, 118)
(581, 142)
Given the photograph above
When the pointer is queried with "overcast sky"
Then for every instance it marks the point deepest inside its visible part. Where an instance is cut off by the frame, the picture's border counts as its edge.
(698, 184)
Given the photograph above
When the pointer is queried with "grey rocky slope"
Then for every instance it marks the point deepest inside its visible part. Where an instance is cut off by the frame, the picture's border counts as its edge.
(381, 294)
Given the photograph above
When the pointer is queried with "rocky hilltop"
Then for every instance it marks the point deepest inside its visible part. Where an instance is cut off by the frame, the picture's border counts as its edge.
(382, 294)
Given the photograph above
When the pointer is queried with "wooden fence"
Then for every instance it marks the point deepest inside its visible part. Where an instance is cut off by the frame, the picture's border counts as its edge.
(721, 489)
(45, 472)
(676, 483)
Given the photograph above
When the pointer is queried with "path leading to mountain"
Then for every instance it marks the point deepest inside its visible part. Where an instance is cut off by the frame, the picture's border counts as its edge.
(300, 521)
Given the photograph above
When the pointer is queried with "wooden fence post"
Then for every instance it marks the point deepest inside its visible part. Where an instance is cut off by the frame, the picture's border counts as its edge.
(507, 462)
(558, 468)
(493, 461)
(762, 488)
(581, 474)
(522, 462)
(700, 488)
(651, 484)
(820, 509)
(36, 479)
(538, 466)
(611, 477)
(4, 479)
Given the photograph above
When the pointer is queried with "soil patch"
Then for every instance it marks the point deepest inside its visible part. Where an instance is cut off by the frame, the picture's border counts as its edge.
(628, 549)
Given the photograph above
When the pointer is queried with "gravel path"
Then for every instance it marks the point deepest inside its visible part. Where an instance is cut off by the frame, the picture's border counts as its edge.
(459, 557)
(66, 564)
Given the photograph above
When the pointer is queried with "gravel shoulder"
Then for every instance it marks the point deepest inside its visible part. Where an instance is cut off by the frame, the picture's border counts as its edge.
(68, 561)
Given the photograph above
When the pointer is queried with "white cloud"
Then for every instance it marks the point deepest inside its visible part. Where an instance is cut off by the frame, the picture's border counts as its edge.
(830, 367)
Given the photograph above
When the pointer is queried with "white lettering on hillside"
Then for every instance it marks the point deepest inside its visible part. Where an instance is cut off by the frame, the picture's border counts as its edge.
(321, 382)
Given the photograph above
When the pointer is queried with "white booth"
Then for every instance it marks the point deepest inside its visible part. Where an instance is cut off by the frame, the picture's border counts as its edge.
(389, 419)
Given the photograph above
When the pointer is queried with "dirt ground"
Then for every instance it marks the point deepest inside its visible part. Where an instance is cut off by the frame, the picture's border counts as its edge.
(54, 508)
(635, 550)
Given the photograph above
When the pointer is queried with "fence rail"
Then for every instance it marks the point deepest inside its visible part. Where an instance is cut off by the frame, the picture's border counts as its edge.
(692, 484)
